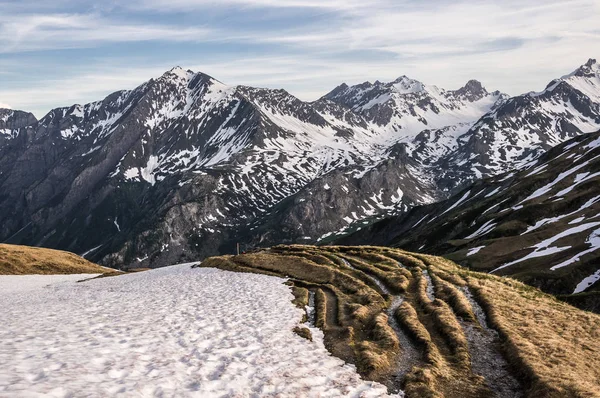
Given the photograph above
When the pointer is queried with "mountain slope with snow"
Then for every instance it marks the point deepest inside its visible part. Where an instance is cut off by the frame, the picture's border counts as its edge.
(527, 125)
(540, 224)
(184, 166)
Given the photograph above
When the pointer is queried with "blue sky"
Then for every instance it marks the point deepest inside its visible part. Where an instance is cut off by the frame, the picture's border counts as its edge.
(60, 52)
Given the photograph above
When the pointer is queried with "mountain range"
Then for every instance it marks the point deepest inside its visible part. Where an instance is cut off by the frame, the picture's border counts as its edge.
(538, 224)
(184, 166)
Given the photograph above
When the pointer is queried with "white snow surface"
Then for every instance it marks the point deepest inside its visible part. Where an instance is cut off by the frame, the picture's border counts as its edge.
(10, 284)
(474, 250)
(484, 229)
(173, 331)
(544, 249)
(587, 282)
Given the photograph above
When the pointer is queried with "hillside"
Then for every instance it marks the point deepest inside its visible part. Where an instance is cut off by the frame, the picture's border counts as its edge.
(172, 332)
(423, 325)
(185, 166)
(25, 260)
(538, 224)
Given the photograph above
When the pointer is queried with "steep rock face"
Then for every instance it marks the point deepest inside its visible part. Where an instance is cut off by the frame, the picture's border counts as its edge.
(539, 223)
(13, 136)
(13, 120)
(356, 197)
(185, 166)
(170, 169)
(525, 126)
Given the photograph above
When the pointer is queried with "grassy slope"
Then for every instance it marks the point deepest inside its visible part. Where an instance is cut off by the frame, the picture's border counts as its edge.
(444, 229)
(21, 260)
(550, 347)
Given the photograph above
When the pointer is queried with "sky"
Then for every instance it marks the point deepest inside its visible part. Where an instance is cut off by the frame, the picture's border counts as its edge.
(61, 52)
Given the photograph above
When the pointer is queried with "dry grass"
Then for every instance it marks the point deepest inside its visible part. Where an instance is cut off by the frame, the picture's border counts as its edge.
(22, 260)
(303, 332)
(300, 296)
(554, 344)
(320, 309)
(383, 333)
(457, 300)
(393, 279)
(371, 359)
(552, 347)
(408, 318)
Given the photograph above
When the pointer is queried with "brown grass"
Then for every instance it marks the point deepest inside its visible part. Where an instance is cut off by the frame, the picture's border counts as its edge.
(552, 347)
(320, 309)
(303, 332)
(300, 296)
(393, 279)
(408, 318)
(22, 260)
(554, 344)
(457, 300)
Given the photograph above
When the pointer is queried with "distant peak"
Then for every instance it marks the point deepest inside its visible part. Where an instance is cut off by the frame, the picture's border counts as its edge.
(404, 79)
(337, 91)
(473, 90)
(474, 85)
(589, 69)
(179, 72)
(406, 85)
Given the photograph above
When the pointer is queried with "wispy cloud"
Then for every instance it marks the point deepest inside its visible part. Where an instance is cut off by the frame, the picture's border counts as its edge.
(59, 31)
(305, 46)
(340, 5)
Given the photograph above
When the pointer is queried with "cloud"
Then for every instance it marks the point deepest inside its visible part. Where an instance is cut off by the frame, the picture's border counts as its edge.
(305, 46)
(59, 31)
(5, 106)
(176, 5)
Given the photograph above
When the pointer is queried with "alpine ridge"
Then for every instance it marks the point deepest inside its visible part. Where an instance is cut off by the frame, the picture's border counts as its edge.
(538, 224)
(184, 166)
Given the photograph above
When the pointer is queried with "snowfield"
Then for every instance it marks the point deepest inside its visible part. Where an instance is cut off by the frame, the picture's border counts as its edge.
(173, 331)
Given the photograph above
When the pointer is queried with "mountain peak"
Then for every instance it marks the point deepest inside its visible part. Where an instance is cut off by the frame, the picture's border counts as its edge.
(474, 85)
(472, 90)
(406, 85)
(589, 69)
(179, 72)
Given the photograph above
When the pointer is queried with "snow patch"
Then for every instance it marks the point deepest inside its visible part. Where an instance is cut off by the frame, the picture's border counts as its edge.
(220, 334)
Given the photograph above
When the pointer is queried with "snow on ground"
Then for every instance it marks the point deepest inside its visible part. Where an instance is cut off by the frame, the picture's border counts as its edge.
(587, 282)
(174, 331)
(474, 250)
(484, 229)
(544, 249)
(24, 283)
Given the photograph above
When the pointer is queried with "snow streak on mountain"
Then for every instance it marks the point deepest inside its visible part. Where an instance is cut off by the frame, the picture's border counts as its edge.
(184, 166)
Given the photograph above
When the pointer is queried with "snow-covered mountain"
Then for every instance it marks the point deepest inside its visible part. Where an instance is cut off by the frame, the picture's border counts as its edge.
(539, 224)
(185, 166)
(525, 126)
(11, 120)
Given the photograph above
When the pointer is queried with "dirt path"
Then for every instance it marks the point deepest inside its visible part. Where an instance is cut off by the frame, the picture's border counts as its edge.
(430, 289)
(331, 314)
(409, 354)
(486, 358)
